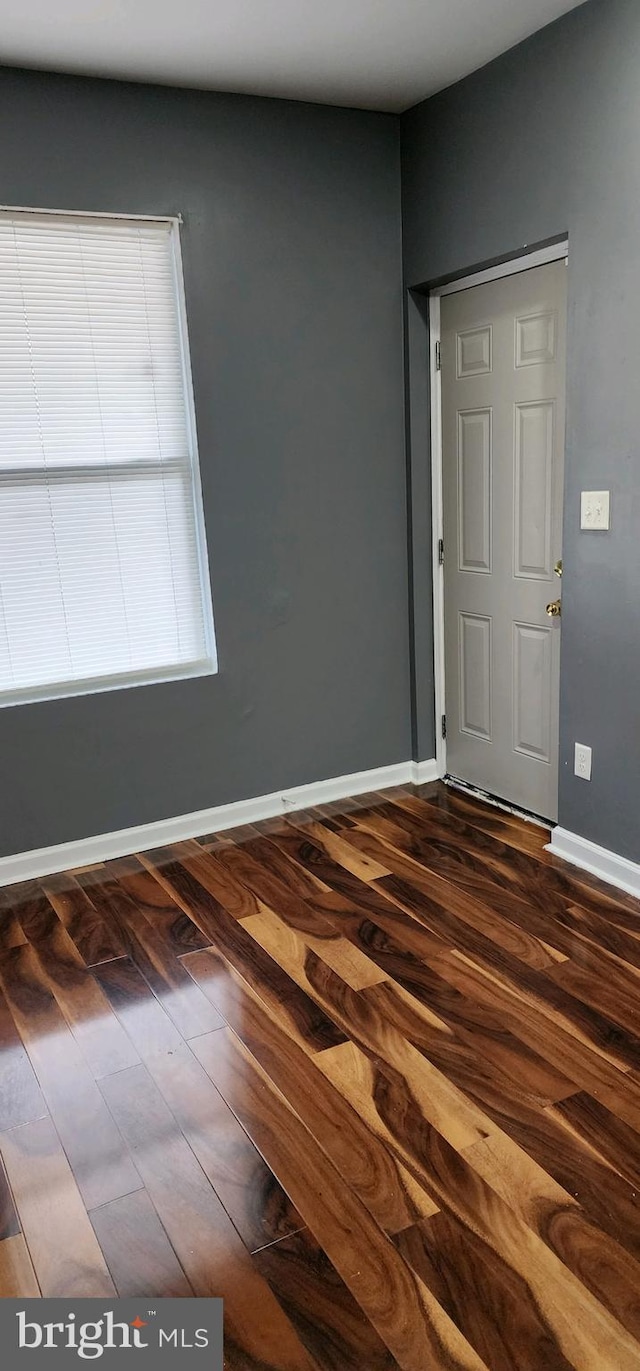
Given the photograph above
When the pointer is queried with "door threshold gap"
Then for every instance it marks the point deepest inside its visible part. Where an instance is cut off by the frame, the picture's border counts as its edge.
(467, 789)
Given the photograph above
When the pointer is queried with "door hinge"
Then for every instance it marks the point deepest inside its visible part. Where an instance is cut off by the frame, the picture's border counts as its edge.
(444, 725)
(441, 551)
(438, 357)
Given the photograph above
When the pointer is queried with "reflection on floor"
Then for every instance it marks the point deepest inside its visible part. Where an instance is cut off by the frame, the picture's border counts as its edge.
(371, 1074)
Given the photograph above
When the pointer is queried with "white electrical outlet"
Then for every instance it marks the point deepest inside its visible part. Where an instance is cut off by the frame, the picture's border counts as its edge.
(582, 766)
(594, 509)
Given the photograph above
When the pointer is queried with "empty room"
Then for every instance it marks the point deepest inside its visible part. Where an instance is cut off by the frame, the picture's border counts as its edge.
(320, 684)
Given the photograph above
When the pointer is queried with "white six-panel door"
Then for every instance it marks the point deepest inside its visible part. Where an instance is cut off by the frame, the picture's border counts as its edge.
(503, 384)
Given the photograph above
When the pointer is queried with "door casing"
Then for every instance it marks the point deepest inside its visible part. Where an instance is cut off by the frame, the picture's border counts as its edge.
(556, 252)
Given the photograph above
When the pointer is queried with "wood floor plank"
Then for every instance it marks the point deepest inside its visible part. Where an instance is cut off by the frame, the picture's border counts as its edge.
(488, 876)
(21, 1099)
(308, 906)
(460, 1191)
(602, 1132)
(347, 959)
(412, 958)
(9, 1224)
(31, 908)
(137, 1251)
(446, 1106)
(408, 1320)
(614, 990)
(457, 1058)
(385, 1187)
(574, 930)
(265, 867)
(97, 940)
(602, 933)
(555, 993)
(140, 1013)
(328, 932)
(177, 930)
(288, 1003)
(528, 931)
(101, 1164)
(571, 1153)
(340, 851)
(17, 1276)
(488, 1076)
(374, 930)
(488, 1049)
(273, 876)
(564, 878)
(309, 856)
(62, 1244)
(598, 1260)
(464, 933)
(284, 836)
(217, 879)
(596, 1064)
(348, 807)
(157, 961)
(521, 1181)
(545, 883)
(588, 891)
(257, 1332)
(321, 1308)
(501, 1319)
(253, 1198)
(11, 931)
(86, 1009)
(588, 1241)
(496, 919)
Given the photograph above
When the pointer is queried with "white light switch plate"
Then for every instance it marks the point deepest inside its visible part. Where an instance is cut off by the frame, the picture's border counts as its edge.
(594, 509)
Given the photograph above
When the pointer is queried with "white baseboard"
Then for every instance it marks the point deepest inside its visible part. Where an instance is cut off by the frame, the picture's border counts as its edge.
(44, 861)
(420, 773)
(598, 860)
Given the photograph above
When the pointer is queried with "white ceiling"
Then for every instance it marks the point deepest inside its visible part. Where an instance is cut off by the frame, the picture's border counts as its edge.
(377, 54)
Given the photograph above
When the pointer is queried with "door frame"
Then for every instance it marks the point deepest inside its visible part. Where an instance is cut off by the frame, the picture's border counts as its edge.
(555, 252)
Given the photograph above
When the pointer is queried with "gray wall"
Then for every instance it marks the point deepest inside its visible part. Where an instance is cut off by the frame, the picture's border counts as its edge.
(544, 140)
(292, 262)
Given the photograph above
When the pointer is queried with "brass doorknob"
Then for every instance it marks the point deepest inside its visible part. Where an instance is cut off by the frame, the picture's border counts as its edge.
(554, 610)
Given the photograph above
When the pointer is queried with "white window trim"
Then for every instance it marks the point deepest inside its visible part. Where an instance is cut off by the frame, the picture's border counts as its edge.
(208, 665)
(33, 211)
(211, 659)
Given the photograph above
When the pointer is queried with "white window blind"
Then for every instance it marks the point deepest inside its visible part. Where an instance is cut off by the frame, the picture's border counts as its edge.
(103, 568)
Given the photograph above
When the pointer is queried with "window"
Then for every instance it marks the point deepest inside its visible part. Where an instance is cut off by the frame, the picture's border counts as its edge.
(103, 568)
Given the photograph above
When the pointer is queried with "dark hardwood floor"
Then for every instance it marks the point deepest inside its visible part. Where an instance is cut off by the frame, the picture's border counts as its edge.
(371, 1073)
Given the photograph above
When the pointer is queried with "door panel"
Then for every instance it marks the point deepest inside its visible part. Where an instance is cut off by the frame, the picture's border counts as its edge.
(533, 506)
(532, 690)
(474, 352)
(474, 490)
(475, 675)
(503, 378)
